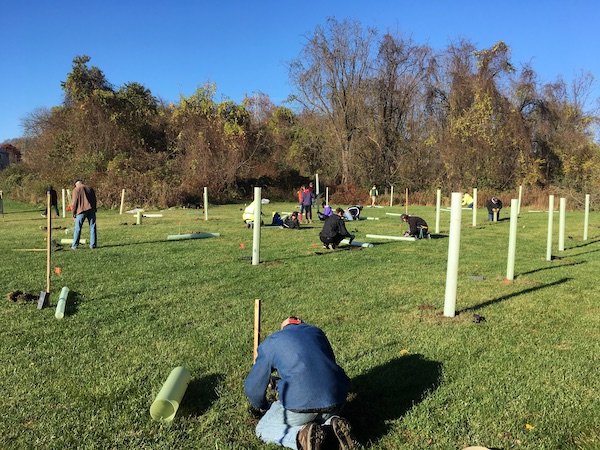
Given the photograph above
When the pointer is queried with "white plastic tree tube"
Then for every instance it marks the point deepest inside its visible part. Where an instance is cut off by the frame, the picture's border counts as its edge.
(438, 205)
(550, 219)
(317, 184)
(182, 237)
(512, 239)
(520, 196)
(64, 201)
(393, 238)
(474, 207)
(356, 243)
(256, 235)
(205, 203)
(169, 398)
(586, 217)
(561, 224)
(391, 195)
(62, 301)
(453, 252)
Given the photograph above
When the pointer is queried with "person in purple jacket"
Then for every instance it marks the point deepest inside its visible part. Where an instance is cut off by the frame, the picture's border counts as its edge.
(308, 198)
(311, 389)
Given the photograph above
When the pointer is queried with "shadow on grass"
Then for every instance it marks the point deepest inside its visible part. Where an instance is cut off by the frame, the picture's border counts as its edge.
(552, 267)
(515, 294)
(387, 392)
(72, 304)
(200, 395)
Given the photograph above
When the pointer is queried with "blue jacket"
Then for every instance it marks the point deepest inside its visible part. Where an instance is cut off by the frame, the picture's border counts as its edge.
(310, 378)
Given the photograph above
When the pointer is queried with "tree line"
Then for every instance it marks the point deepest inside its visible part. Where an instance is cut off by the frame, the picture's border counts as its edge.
(367, 108)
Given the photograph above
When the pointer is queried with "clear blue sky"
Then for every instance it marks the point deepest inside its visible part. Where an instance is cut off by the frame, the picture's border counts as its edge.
(172, 47)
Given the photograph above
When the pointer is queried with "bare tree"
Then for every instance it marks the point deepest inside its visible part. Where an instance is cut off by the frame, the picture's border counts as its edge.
(331, 77)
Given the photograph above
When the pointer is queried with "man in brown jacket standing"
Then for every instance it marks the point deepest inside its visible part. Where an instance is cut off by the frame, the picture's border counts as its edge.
(83, 206)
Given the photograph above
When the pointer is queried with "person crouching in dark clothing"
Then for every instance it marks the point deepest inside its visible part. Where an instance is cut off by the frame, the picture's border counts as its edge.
(292, 222)
(417, 227)
(334, 230)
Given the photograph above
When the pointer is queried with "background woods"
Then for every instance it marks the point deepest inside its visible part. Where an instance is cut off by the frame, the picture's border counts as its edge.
(366, 107)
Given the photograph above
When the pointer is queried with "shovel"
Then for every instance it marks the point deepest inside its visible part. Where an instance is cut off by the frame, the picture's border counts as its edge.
(45, 295)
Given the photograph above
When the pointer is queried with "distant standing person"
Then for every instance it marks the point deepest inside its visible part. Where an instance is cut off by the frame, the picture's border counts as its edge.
(494, 205)
(300, 205)
(308, 197)
(53, 201)
(334, 230)
(374, 193)
(83, 206)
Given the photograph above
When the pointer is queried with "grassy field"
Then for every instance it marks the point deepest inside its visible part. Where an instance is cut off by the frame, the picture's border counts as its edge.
(139, 306)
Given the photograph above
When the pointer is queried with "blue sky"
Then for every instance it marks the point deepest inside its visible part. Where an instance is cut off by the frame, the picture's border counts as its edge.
(243, 46)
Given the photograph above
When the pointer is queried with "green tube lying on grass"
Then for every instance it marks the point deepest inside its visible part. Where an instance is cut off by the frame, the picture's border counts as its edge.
(356, 243)
(167, 401)
(394, 238)
(70, 241)
(180, 237)
(62, 302)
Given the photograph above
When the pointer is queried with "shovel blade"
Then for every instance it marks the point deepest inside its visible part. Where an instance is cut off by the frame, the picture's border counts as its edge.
(43, 300)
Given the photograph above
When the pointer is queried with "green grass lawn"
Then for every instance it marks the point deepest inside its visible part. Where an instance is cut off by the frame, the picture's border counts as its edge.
(139, 306)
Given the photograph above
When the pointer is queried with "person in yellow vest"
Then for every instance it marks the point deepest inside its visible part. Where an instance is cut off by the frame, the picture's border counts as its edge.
(373, 193)
(467, 200)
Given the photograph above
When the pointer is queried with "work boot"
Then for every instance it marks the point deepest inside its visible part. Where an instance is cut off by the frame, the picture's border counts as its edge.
(310, 437)
(343, 433)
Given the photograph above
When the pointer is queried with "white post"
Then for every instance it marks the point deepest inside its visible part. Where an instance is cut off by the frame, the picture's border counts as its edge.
(561, 224)
(550, 218)
(64, 201)
(317, 184)
(512, 239)
(391, 196)
(453, 250)
(205, 203)
(586, 217)
(327, 196)
(122, 201)
(256, 240)
(438, 207)
(474, 207)
(520, 195)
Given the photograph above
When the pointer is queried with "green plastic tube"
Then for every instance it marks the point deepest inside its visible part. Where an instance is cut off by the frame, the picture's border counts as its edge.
(167, 401)
(62, 302)
(181, 237)
(70, 241)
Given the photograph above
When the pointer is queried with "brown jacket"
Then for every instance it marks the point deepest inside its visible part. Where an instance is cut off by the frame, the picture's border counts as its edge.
(83, 199)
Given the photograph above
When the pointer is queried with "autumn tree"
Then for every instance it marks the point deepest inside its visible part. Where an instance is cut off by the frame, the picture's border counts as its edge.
(331, 77)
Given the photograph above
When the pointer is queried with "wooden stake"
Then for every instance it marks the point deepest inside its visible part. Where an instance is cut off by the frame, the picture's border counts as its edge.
(256, 327)
(45, 295)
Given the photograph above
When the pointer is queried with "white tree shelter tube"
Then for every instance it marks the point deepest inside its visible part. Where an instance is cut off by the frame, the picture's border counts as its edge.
(356, 244)
(393, 238)
(453, 252)
(181, 237)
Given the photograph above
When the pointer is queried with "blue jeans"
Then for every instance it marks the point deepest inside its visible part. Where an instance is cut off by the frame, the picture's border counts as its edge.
(79, 220)
(281, 426)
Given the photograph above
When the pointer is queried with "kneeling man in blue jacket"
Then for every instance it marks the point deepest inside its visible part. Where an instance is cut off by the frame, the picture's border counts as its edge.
(311, 389)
